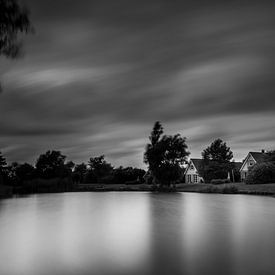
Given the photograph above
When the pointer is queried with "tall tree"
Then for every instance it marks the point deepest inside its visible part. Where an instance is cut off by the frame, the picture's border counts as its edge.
(164, 155)
(51, 165)
(3, 166)
(79, 172)
(3, 162)
(99, 169)
(218, 151)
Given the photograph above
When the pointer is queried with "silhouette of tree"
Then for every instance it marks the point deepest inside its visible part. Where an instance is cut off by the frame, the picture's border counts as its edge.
(218, 151)
(217, 158)
(3, 162)
(164, 155)
(51, 165)
(24, 172)
(99, 170)
(79, 173)
(3, 167)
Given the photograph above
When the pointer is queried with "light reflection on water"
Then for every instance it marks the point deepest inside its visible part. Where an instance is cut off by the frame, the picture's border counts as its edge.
(137, 233)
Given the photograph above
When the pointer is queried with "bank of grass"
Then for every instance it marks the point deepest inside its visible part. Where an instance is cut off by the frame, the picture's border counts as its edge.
(228, 188)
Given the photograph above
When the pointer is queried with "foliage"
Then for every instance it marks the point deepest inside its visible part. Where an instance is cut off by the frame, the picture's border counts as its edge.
(261, 173)
(25, 172)
(3, 162)
(3, 165)
(79, 173)
(14, 19)
(164, 155)
(98, 169)
(214, 170)
(128, 175)
(51, 165)
(218, 151)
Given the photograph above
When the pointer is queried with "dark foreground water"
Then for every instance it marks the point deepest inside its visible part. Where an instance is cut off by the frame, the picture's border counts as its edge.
(137, 233)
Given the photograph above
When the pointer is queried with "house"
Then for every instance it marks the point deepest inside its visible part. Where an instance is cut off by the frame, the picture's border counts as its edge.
(194, 171)
(251, 159)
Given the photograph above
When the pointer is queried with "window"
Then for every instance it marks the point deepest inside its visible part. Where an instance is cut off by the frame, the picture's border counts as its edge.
(196, 178)
(191, 167)
(251, 162)
(188, 178)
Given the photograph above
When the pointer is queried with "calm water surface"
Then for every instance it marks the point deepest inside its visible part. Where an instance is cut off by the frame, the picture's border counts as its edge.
(137, 233)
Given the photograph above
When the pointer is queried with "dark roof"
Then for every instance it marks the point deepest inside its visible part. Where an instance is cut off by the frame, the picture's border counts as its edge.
(198, 163)
(259, 156)
(237, 165)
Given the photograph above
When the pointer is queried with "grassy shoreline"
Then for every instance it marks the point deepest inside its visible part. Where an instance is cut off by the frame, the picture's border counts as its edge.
(228, 188)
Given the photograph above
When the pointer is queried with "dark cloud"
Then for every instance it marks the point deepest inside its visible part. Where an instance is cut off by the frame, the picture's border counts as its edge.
(109, 69)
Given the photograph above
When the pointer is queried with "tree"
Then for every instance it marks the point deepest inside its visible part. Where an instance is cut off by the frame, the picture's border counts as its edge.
(3, 167)
(99, 170)
(128, 175)
(164, 155)
(3, 163)
(51, 165)
(24, 172)
(217, 158)
(14, 19)
(79, 173)
(218, 151)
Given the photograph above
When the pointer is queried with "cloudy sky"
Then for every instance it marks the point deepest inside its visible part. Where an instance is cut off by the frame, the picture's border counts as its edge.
(97, 74)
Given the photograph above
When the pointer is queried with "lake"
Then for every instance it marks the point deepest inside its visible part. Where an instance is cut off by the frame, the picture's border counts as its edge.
(119, 233)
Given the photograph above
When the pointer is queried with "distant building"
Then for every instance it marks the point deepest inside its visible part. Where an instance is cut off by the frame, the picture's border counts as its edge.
(251, 159)
(194, 171)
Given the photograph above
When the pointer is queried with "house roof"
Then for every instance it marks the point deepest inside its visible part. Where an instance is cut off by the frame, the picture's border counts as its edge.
(198, 163)
(258, 156)
(238, 165)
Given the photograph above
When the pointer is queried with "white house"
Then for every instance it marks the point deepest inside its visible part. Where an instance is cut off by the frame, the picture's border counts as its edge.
(193, 172)
(251, 159)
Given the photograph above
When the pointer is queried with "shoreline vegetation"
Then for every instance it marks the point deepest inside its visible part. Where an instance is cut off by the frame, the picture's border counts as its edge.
(166, 157)
(228, 188)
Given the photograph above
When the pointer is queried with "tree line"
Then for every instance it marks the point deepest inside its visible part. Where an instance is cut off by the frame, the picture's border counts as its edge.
(52, 172)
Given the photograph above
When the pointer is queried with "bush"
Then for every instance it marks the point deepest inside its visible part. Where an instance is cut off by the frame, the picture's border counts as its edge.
(220, 181)
(261, 173)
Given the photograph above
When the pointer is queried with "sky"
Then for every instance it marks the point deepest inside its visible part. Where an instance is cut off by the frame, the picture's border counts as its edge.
(97, 74)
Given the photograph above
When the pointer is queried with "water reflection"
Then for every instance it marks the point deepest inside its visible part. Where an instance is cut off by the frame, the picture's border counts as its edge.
(137, 233)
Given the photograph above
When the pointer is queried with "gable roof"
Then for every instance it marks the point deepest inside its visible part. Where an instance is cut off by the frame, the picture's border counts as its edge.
(198, 163)
(257, 156)
(237, 165)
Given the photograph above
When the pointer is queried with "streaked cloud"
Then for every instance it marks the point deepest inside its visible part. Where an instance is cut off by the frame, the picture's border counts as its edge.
(97, 74)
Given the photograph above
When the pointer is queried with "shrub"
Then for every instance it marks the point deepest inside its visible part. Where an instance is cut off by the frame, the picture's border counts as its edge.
(261, 173)
(220, 181)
